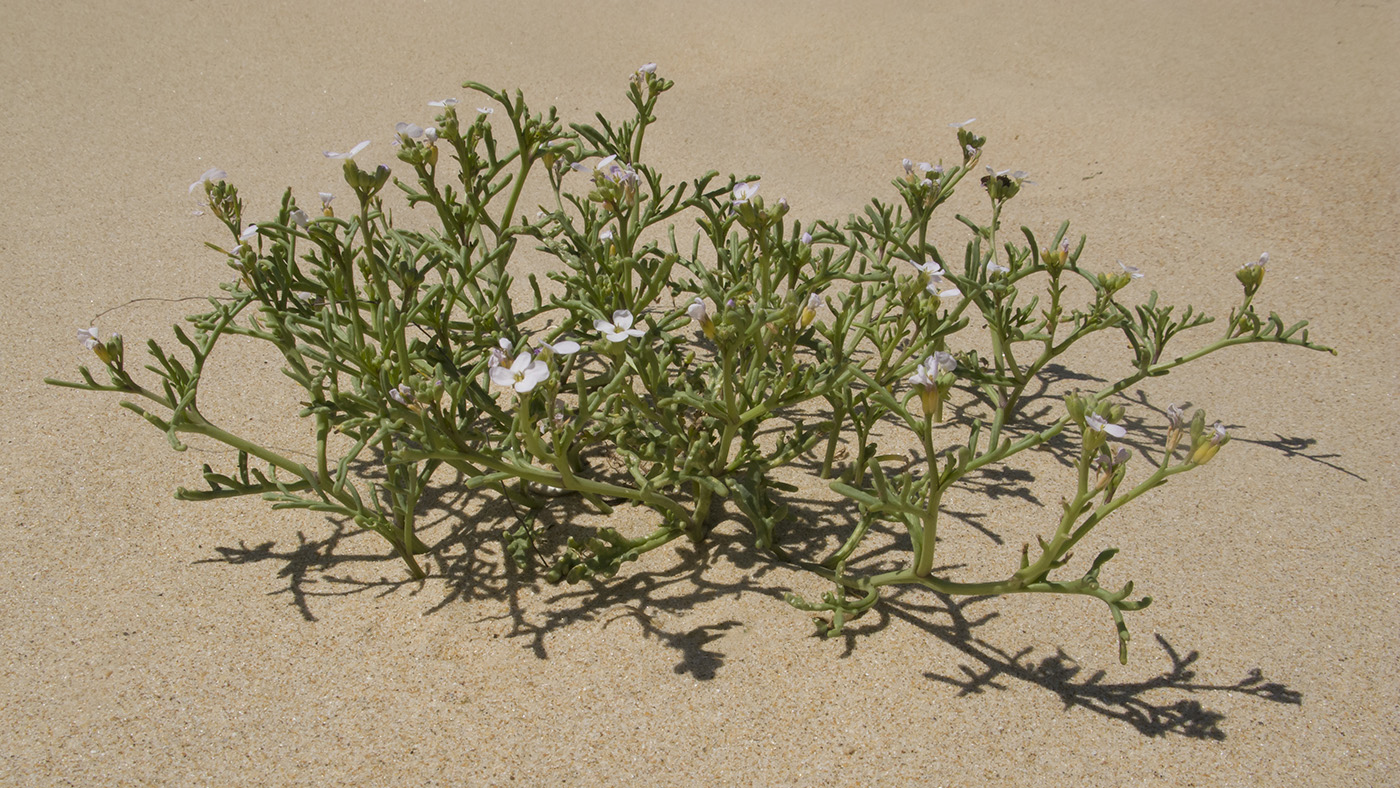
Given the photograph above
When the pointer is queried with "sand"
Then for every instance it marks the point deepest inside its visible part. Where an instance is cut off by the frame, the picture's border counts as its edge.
(147, 641)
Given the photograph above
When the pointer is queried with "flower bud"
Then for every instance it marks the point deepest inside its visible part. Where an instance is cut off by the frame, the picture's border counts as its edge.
(809, 311)
(1251, 275)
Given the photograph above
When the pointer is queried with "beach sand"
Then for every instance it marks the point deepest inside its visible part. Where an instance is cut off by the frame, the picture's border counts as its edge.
(146, 641)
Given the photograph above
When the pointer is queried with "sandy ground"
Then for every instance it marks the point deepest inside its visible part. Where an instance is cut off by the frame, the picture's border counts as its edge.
(148, 641)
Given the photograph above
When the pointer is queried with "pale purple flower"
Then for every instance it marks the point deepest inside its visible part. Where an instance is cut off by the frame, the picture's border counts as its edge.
(806, 239)
(403, 394)
(350, 154)
(620, 328)
(1217, 434)
(1176, 417)
(523, 374)
(1131, 270)
(605, 234)
(649, 68)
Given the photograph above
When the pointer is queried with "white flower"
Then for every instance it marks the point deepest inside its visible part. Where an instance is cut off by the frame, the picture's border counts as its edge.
(1098, 424)
(484, 110)
(566, 347)
(88, 337)
(960, 125)
(447, 102)
(523, 374)
(805, 238)
(326, 198)
(908, 166)
(649, 68)
(211, 174)
(407, 131)
(931, 273)
(605, 234)
(350, 154)
(300, 219)
(930, 368)
(620, 328)
(1131, 270)
(1263, 259)
(744, 192)
(994, 268)
(249, 233)
(430, 134)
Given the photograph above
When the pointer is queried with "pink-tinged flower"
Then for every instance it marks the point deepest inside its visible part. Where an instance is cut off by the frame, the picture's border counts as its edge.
(350, 154)
(447, 102)
(1098, 424)
(620, 328)
(211, 174)
(523, 374)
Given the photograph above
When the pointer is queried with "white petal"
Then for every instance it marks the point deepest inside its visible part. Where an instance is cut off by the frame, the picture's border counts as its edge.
(637, 332)
(1115, 430)
(617, 336)
(566, 348)
(447, 102)
(604, 326)
(536, 372)
(622, 319)
(502, 376)
(521, 363)
(485, 110)
(964, 123)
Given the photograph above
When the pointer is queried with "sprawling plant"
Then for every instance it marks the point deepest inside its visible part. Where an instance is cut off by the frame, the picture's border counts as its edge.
(674, 375)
